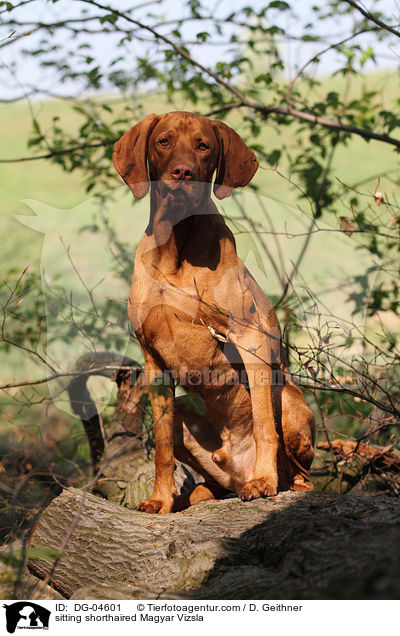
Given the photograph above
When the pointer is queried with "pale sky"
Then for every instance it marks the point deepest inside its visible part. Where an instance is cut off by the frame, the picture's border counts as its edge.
(30, 74)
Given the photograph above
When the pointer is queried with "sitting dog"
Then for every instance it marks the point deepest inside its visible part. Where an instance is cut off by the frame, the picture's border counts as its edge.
(202, 320)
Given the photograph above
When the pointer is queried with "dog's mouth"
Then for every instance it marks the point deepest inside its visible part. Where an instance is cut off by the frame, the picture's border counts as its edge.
(181, 193)
(178, 188)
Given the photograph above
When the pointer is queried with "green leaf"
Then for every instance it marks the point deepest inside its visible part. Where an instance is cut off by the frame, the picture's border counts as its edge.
(278, 4)
(111, 17)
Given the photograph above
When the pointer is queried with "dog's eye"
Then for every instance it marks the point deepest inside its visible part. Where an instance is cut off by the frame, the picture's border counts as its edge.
(163, 141)
(202, 146)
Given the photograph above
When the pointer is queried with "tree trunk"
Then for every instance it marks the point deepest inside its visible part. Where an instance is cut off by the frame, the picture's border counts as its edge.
(295, 545)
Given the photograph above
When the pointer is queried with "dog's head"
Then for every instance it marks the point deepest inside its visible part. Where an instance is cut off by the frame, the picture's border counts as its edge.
(180, 151)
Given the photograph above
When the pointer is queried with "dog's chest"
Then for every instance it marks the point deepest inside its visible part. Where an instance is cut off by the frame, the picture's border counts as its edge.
(178, 319)
(148, 293)
(182, 341)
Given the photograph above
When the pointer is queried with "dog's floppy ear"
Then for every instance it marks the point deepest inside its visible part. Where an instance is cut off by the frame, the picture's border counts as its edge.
(130, 155)
(237, 164)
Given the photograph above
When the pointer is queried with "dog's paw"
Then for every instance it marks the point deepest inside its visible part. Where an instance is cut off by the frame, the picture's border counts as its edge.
(261, 487)
(155, 506)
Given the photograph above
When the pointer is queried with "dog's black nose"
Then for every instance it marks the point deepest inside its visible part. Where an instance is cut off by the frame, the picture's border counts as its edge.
(182, 171)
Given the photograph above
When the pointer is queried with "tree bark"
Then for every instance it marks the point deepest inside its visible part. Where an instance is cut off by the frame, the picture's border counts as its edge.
(293, 546)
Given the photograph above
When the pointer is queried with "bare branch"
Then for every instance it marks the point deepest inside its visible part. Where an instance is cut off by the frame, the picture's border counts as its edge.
(373, 18)
(64, 151)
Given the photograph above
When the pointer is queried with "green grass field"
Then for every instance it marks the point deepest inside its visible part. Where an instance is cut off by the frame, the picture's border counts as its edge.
(63, 205)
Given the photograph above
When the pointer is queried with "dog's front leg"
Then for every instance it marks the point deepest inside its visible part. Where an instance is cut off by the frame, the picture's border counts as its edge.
(161, 391)
(257, 361)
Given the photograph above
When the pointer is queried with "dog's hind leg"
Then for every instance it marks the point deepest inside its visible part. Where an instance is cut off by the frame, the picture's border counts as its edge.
(194, 443)
(298, 429)
(202, 492)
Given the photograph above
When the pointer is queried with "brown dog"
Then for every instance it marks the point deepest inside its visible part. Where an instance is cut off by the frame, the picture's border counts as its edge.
(201, 318)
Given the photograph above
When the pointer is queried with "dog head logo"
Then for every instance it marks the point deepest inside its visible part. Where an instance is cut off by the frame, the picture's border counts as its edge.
(26, 615)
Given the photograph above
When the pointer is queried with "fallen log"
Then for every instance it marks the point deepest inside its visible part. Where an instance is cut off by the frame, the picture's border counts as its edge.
(375, 468)
(380, 457)
(293, 546)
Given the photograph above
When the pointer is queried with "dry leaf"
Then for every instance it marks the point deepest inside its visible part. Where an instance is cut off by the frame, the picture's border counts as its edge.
(379, 198)
(347, 225)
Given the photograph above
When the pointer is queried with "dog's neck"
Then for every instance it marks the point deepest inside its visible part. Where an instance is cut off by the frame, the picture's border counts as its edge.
(171, 227)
